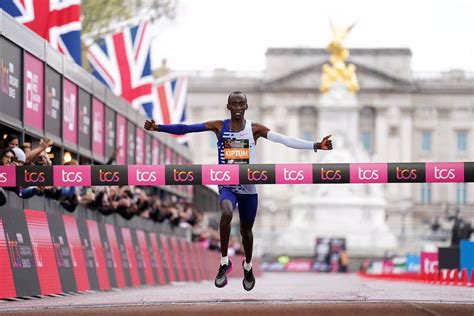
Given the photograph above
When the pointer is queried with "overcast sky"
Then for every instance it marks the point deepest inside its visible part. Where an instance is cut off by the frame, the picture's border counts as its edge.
(235, 34)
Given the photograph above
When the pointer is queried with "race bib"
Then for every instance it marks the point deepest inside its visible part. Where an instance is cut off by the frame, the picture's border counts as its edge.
(236, 151)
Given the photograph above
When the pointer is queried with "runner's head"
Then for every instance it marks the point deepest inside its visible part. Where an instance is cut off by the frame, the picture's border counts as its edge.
(237, 105)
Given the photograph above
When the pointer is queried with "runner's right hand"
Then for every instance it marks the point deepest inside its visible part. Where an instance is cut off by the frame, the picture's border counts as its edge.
(150, 125)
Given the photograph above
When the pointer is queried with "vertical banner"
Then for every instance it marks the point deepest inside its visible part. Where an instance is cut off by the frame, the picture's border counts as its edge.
(98, 253)
(7, 285)
(46, 268)
(202, 266)
(109, 131)
(413, 264)
(52, 106)
(85, 116)
(448, 258)
(98, 136)
(62, 252)
(116, 256)
(138, 256)
(178, 262)
(121, 140)
(140, 146)
(187, 260)
(20, 252)
(148, 152)
(167, 255)
(429, 262)
(130, 143)
(467, 257)
(155, 152)
(123, 256)
(10, 64)
(90, 260)
(169, 156)
(131, 256)
(142, 243)
(77, 253)
(109, 259)
(158, 260)
(33, 91)
(69, 112)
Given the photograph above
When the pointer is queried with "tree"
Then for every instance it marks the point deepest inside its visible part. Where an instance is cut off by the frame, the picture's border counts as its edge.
(99, 17)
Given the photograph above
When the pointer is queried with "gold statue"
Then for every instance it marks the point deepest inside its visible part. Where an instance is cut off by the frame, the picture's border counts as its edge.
(339, 71)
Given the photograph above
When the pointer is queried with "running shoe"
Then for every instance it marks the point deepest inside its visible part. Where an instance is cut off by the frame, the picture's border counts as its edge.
(221, 278)
(249, 279)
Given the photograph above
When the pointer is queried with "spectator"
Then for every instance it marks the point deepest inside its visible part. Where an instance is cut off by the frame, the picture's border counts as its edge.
(11, 141)
(7, 156)
(34, 153)
(19, 160)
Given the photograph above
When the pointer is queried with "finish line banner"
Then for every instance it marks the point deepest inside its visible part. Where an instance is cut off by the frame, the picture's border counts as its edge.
(154, 175)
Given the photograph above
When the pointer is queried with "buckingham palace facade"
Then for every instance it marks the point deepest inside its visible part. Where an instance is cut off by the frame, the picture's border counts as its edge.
(405, 116)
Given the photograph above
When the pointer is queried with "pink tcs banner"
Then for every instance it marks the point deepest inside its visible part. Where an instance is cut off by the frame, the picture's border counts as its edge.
(294, 174)
(444, 171)
(70, 112)
(33, 106)
(368, 173)
(429, 262)
(155, 149)
(7, 176)
(121, 140)
(220, 174)
(97, 127)
(72, 175)
(146, 175)
(140, 146)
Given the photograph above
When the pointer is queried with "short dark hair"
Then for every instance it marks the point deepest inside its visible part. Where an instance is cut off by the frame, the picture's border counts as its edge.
(236, 92)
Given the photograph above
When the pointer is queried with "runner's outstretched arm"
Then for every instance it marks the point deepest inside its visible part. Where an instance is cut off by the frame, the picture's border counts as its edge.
(292, 142)
(181, 129)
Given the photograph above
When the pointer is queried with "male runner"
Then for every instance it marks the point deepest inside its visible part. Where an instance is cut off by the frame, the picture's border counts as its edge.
(243, 134)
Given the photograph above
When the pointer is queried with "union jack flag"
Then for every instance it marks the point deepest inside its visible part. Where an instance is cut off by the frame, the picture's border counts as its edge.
(122, 62)
(169, 106)
(57, 21)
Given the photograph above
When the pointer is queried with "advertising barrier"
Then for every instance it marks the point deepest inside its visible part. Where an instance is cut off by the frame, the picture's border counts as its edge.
(43, 253)
(152, 175)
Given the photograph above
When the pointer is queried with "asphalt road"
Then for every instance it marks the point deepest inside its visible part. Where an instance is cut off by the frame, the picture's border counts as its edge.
(274, 294)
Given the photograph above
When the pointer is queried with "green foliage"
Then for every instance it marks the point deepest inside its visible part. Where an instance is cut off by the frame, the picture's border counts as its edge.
(99, 15)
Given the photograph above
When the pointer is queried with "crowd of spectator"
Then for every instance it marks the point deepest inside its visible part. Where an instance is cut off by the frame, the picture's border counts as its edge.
(127, 201)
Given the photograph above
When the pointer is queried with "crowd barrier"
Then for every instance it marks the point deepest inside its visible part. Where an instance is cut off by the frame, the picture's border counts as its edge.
(154, 175)
(46, 251)
(447, 266)
(440, 277)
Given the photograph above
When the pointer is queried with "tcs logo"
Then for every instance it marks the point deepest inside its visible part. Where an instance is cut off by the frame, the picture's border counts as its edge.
(330, 174)
(109, 176)
(257, 175)
(71, 177)
(365, 174)
(146, 176)
(34, 177)
(183, 176)
(217, 175)
(293, 175)
(405, 174)
(430, 266)
(444, 174)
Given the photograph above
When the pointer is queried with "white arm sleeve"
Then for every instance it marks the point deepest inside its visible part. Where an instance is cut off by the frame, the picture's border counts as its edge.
(292, 142)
